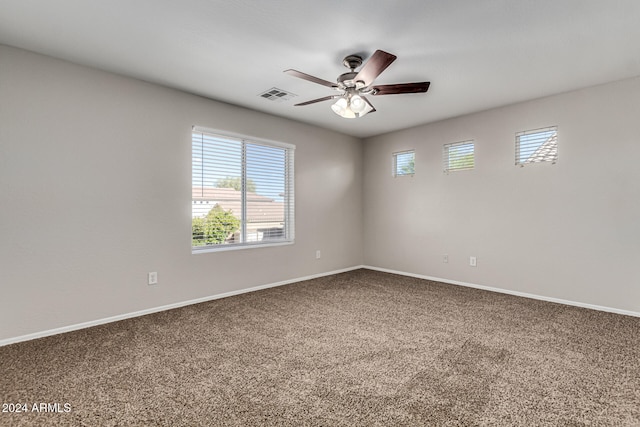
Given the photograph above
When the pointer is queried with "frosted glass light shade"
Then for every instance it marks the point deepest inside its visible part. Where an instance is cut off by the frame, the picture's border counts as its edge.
(357, 104)
(341, 108)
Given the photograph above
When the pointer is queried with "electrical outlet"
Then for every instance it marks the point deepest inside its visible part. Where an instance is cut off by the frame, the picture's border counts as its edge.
(153, 278)
(472, 261)
(318, 254)
(445, 258)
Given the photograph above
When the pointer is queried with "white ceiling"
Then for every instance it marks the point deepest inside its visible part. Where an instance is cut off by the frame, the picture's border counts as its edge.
(478, 54)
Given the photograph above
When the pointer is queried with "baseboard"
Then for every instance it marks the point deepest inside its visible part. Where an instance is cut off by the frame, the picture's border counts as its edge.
(509, 292)
(89, 324)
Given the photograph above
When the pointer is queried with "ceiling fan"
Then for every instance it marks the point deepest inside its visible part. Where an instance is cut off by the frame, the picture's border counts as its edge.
(354, 85)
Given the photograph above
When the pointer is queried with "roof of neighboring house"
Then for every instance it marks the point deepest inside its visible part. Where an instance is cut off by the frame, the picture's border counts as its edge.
(260, 209)
(214, 193)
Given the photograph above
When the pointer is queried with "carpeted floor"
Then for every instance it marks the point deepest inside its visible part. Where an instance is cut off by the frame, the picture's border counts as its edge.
(362, 348)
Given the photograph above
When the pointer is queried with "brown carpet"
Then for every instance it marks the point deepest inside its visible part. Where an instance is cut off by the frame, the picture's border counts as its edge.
(362, 348)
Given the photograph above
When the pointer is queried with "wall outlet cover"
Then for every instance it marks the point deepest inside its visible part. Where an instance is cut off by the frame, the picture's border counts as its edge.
(152, 278)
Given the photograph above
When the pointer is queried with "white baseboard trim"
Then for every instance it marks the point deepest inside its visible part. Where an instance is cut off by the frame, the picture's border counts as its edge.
(510, 292)
(119, 317)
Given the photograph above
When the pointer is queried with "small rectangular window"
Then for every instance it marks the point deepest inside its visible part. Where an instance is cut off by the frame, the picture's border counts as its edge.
(404, 163)
(458, 156)
(242, 191)
(537, 145)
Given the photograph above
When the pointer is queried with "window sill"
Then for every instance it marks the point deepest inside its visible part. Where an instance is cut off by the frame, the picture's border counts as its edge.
(237, 247)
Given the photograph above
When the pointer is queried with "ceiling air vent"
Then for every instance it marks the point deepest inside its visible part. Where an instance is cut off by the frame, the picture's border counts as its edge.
(278, 95)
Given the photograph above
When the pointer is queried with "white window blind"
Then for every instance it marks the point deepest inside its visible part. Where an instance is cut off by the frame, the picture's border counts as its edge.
(537, 145)
(404, 163)
(242, 191)
(458, 156)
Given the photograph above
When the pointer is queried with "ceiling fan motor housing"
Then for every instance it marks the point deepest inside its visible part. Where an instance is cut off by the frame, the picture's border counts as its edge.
(352, 62)
(346, 80)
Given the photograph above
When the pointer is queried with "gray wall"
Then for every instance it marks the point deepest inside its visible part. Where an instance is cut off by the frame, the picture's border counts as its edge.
(569, 231)
(95, 191)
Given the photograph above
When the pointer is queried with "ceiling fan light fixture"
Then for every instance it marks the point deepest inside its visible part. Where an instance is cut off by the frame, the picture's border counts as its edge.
(357, 104)
(351, 106)
(366, 109)
(341, 108)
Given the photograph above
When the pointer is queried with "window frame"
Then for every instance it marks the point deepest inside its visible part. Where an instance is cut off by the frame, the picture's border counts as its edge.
(288, 195)
(532, 158)
(395, 164)
(446, 156)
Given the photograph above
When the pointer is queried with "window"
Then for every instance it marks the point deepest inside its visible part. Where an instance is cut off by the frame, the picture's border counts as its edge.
(242, 191)
(538, 145)
(404, 163)
(458, 156)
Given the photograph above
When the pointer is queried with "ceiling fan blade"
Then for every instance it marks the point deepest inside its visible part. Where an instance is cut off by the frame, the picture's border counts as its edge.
(400, 88)
(301, 75)
(378, 62)
(313, 101)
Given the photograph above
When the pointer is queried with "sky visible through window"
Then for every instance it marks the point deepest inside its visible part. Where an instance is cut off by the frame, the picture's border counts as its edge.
(223, 161)
(265, 167)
